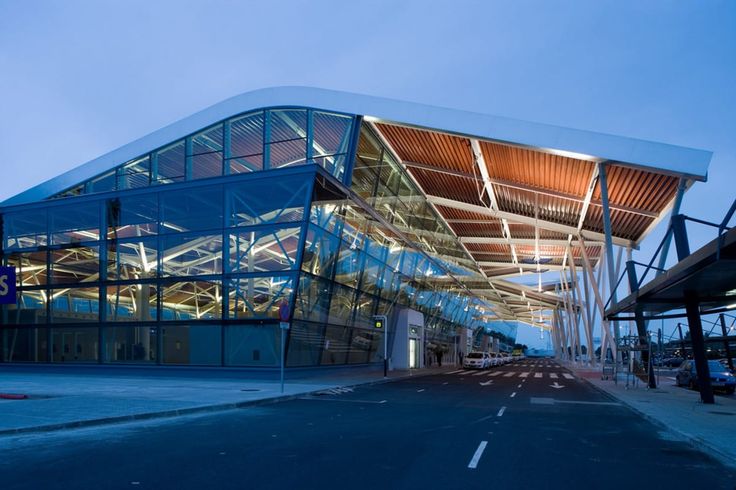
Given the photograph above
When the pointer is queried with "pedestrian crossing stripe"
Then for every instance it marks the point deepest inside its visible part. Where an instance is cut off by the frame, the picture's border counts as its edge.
(568, 376)
(479, 373)
(495, 373)
(523, 375)
(553, 375)
(537, 375)
(509, 374)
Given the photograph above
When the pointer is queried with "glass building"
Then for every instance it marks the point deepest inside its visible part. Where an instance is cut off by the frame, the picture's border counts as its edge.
(183, 254)
(187, 246)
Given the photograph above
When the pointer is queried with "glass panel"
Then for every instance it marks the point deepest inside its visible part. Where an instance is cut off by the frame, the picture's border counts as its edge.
(171, 163)
(246, 140)
(305, 344)
(313, 299)
(24, 229)
(130, 344)
(185, 210)
(336, 345)
(349, 265)
(30, 309)
(288, 124)
(191, 255)
(252, 345)
(200, 300)
(326, 216)
(372, 275)
(259, 297)
(104, 183)
(365, 308)
(30, 267)
(320, 252)
(267, 201)
(131, 302)
(132, 259)
(74, 344)
(207, 165)
(135, 174)
(363, 344)
(341, 305)
(192, 344)
(331, 141)
(75, 265)
(207, 141)
(24, 344)
(79, 222)
(75, 305)
(132, 216)
(264, 250)
(241, 165)
(288, 153)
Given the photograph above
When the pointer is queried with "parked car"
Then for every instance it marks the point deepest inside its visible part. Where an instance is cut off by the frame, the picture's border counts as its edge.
(720, 377)
(477, 360)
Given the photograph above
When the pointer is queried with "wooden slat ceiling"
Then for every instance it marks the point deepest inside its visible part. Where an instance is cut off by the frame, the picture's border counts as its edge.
(528, 183)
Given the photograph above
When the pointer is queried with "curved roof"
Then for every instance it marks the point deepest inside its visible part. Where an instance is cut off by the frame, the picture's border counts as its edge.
(565, 142)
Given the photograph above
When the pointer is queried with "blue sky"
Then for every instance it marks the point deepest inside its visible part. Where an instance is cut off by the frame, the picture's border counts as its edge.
(80, 78)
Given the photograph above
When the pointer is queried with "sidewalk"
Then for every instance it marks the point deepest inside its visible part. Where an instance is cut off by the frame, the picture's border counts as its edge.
(61, 397)
(709, 427)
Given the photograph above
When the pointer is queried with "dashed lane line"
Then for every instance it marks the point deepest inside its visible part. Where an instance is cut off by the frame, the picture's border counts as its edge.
(500, 412)
(513, 394)
(478, 453)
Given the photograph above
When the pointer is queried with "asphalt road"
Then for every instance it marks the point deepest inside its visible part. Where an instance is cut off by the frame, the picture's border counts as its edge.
(530, 425)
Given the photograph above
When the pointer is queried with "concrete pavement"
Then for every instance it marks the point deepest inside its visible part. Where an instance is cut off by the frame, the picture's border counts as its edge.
(679, 410)
(68, 397)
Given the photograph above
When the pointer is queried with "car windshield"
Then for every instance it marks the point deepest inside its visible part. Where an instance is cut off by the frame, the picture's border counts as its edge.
(716, 367)
(475, 355)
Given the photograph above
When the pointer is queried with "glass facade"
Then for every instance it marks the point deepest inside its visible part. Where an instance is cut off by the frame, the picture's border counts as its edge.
(287, 205)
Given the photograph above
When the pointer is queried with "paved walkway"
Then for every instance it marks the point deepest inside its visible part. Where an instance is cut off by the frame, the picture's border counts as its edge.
(679, 410)
(67, 397)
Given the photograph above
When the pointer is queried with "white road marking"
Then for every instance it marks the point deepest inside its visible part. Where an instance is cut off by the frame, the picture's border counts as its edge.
(500, 412)
(518, 386)
(478, 453)
(537, 375)
(479, 373)
(553, 375)
(568, 376)
(419, 391)
(446, 382)
(455, 372)
(523, 375)
(495, 373)
(513, 394)
(509, 374)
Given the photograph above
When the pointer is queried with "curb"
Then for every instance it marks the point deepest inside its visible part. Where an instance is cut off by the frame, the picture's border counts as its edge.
(192, 410)
(695, 441)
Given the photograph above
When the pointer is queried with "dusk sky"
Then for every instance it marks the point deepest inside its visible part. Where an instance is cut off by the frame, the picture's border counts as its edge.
(81, 78)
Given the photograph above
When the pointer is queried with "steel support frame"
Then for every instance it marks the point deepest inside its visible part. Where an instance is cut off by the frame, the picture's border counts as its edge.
(605, 327)
(585, 313)
(608, 234)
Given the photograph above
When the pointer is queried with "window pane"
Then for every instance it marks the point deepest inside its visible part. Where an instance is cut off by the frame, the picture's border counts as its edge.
(130, 344)
(191, 255)
(30, 309)
(341, 305)
(207, 165)
(24, 344)
(246, 138)
(186, 210)
(288, 153)
(24, 229)
(207, 141)
(288, 124)
(349, 265)
(75, 223)
(104, 183)
(320, 252)
(264, 250)
(74, 344)
(313, 299)
(131, 302)
(30, 267)
(336, 345)
(135, 174)
(132, 216)
(331, 141)
(241, 165)
(259, 297)
(267, 201)
(75, 265)
(75, 305)
(252, 345)
(171, 163)
(200, 300)
(305, 344)
(191, 344)
(132, 259)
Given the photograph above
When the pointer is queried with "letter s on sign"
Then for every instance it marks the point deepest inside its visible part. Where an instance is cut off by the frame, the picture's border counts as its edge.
(3, 285)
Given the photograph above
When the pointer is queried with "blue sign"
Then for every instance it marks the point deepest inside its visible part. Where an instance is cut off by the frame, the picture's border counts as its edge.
(7, 286)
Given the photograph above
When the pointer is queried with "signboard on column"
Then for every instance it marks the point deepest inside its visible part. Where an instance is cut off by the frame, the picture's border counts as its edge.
(7, 285)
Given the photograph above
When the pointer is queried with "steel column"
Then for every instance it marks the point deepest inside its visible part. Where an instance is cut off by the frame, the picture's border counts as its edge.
(726, 343)
(692, 306)
(668, 236)
(603, 181)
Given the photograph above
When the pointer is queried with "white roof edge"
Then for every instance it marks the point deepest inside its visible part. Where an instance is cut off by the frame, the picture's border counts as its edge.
(657, 156)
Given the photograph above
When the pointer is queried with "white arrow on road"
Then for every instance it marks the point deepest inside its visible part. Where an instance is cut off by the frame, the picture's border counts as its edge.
(557, 386)
(490, 381)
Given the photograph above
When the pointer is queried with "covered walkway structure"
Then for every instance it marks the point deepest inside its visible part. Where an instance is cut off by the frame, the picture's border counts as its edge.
(342, 207)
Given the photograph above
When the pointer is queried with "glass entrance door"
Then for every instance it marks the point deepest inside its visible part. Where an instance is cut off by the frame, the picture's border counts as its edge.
(413, 353)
